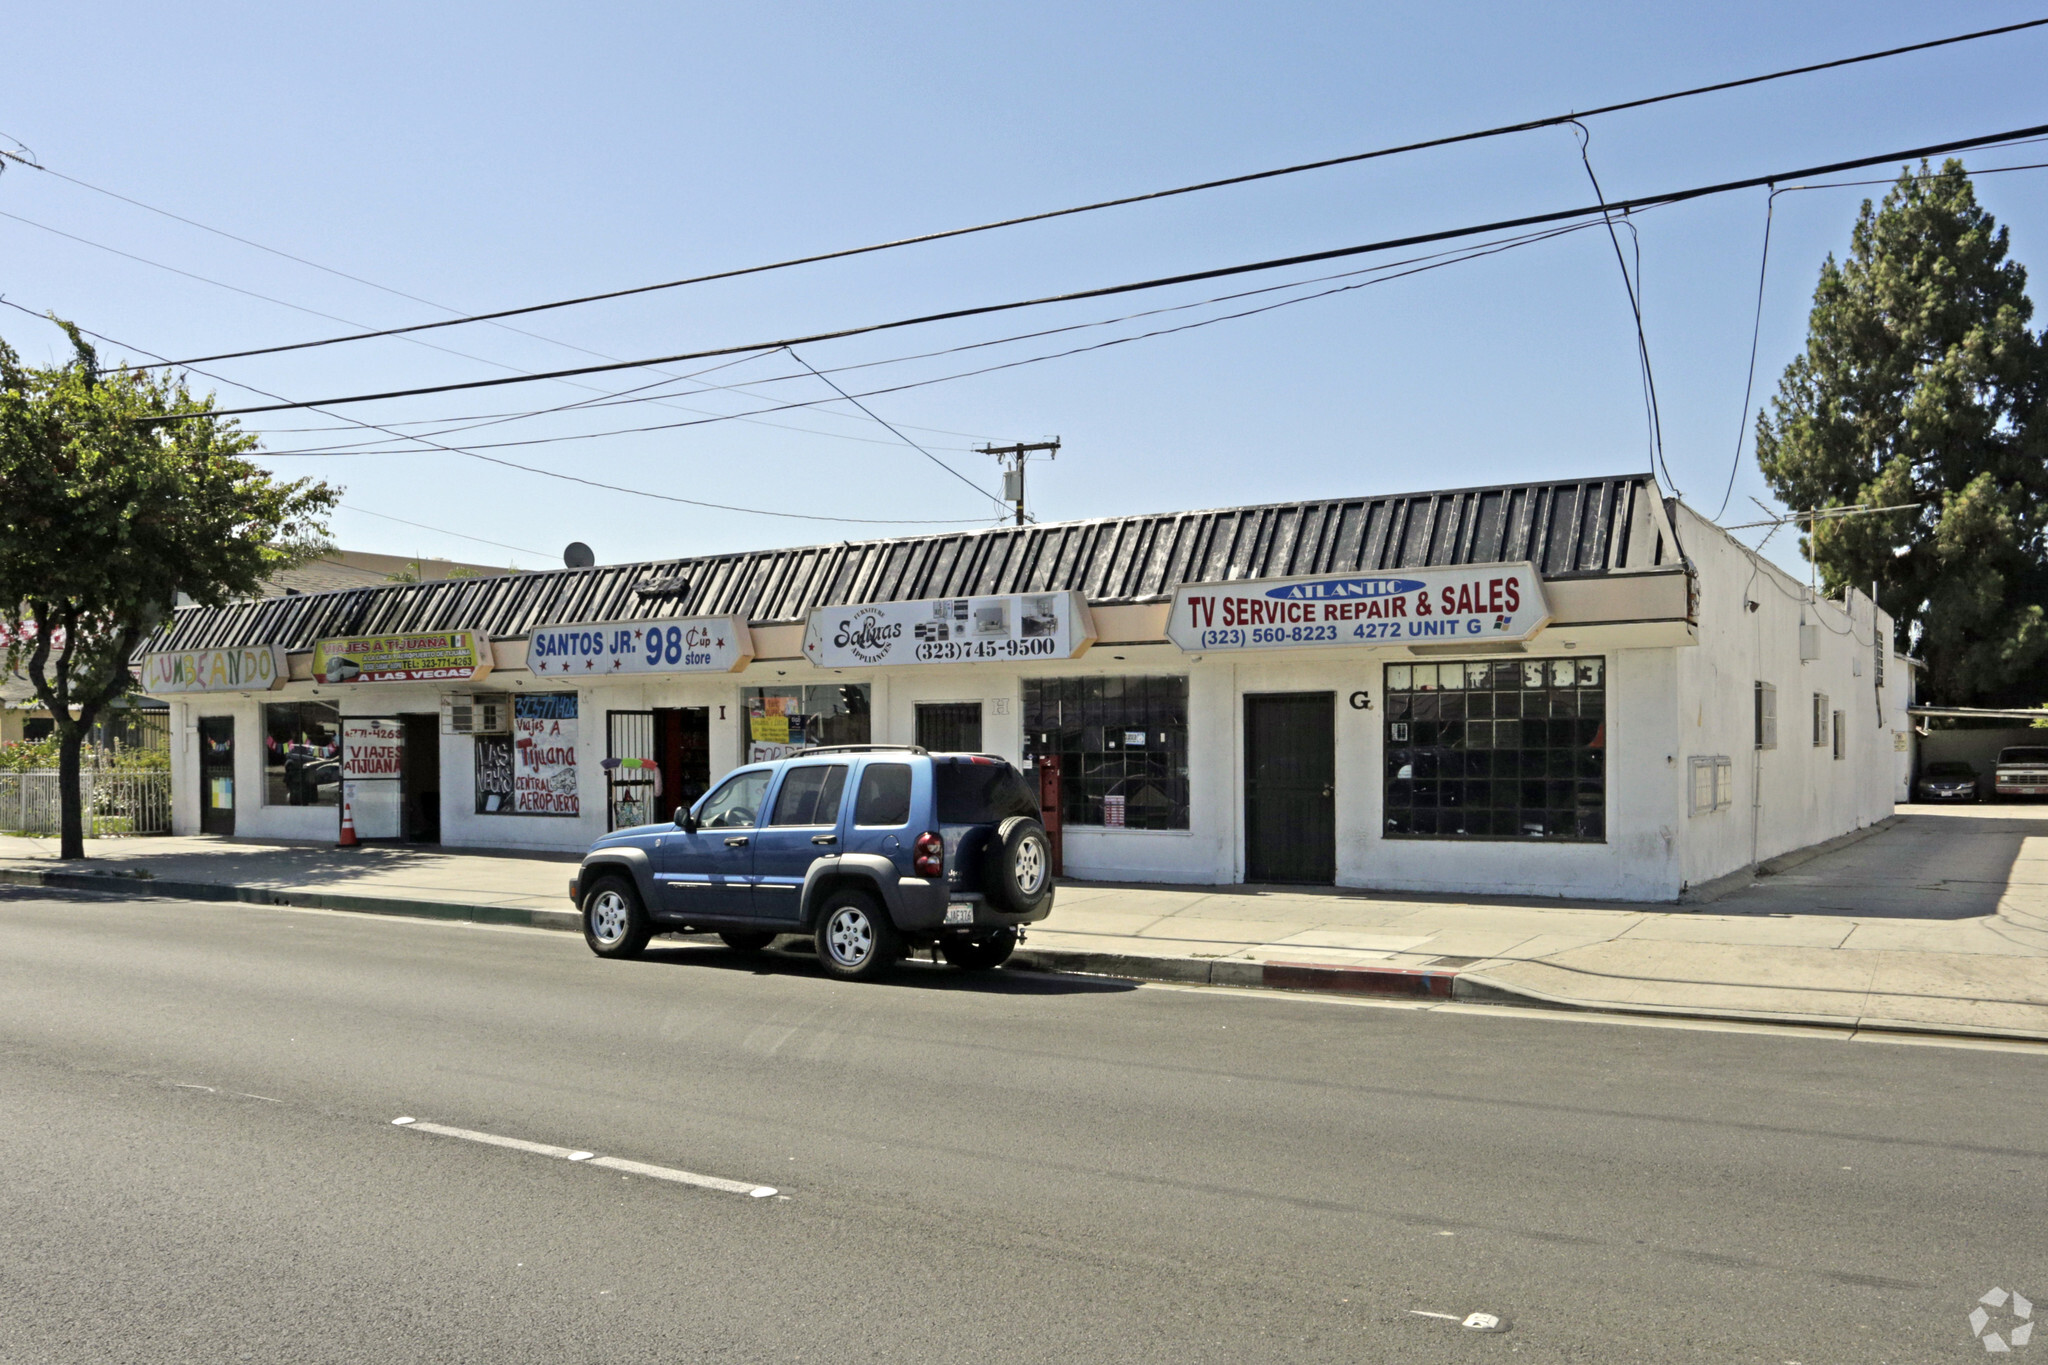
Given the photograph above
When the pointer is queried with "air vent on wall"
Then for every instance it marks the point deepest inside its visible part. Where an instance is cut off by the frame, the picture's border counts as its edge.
(476, 713)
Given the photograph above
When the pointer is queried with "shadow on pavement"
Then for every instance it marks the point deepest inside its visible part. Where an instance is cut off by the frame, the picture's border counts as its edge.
(918, 974)
(1937, 863)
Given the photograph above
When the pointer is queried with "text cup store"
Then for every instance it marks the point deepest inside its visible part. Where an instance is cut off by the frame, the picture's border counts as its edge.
(1576, 688)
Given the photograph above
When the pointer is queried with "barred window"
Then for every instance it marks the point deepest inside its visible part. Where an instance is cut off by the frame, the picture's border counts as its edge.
(1122, 744)
(1500, 749)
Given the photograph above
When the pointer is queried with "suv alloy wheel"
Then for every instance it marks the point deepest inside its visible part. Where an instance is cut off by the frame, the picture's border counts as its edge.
(856, 941)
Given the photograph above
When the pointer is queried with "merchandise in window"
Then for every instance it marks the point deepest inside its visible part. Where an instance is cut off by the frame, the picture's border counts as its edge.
(781, 722)
(1122, 743)
(1497, 750)
(302, 754)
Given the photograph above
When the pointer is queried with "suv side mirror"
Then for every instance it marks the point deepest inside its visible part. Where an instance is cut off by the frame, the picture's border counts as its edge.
(686, 820)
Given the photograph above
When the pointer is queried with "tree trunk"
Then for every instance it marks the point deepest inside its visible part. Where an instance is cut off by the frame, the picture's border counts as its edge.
(71, 817)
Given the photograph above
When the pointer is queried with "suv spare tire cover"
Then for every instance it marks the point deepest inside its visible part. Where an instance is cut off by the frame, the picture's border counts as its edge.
(1005, 859)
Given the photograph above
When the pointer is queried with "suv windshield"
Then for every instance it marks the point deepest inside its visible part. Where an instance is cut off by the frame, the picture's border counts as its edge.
(981, 793)
(2023, 756)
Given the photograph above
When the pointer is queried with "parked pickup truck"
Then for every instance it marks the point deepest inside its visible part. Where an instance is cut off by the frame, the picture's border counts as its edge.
(2020, 772)
(875, 850)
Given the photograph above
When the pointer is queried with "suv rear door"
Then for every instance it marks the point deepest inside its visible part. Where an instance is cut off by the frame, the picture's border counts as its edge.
(879, 821)
(803, 827)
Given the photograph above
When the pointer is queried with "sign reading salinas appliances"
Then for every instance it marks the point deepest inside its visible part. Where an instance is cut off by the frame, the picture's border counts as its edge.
(696, 644)
(430, 656)
(1051, 625)
(1485, 602)
(257, 668)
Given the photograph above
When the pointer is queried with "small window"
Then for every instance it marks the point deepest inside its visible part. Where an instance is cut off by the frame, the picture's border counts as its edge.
(737, 804)
(884, 798)
(810, 795)
(1841, 735)
(981, 793)
(1820, 719)
(1713, 783)
(1766, 716)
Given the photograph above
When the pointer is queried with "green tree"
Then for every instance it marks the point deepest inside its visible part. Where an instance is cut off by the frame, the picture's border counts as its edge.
(1922, 384)
(106, 515)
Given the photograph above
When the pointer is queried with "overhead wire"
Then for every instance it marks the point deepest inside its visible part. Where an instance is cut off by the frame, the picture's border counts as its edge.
(533, 469)
(1527, 125)
(905, 439)
(440, 530)
(1186, 277)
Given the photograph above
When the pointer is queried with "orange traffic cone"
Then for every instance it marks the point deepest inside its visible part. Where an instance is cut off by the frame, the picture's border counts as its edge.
(348, 821)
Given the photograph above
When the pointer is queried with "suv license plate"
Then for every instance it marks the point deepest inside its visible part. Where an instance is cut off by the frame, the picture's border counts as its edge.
(960, 912)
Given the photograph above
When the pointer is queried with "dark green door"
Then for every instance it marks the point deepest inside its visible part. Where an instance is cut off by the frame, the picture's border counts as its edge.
(1290, 787)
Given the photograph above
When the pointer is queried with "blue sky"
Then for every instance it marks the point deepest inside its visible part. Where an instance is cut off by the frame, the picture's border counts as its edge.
(482, 156)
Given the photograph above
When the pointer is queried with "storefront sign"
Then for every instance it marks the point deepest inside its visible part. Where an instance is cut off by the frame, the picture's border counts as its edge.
(372, 761)
(696, 644)
(1476, 604)
(257, 668)
(544, 754)
(1052, 625)
(494, 775)
(428, 656)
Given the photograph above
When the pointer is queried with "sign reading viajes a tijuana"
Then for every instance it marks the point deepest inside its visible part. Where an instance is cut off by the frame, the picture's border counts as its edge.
(696, 644)
(425, 656)
(947, 630)
(1471, 605)
(256, 668)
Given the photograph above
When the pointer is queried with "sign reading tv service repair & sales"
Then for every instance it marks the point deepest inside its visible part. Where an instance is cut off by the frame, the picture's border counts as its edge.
(1471, 605)
(428, 656)
(949, 630)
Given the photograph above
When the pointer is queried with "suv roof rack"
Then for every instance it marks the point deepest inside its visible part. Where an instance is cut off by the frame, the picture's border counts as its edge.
(859, 749)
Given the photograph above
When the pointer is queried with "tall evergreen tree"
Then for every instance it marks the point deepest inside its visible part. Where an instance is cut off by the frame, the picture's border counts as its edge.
(1922, 383)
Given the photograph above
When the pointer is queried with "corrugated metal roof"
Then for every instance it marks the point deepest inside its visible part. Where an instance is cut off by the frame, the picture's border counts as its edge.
(1579, 528)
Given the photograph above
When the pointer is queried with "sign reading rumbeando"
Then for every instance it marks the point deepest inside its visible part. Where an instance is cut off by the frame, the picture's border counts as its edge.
(1474, 605)
(695, 644)
(950, 630)
(254, 668)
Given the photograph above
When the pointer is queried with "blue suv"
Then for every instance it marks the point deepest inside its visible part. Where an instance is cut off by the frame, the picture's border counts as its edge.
(876, 850)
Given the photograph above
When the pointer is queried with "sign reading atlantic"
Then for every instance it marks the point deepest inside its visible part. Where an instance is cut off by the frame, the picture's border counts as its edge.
(1473, 604)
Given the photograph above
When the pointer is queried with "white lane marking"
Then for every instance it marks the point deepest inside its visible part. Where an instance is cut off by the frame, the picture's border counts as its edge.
(709, 1182)
(1447, 1317)
(669, 1173)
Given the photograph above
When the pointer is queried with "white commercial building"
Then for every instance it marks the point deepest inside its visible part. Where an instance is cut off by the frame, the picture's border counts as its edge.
(1574, 689)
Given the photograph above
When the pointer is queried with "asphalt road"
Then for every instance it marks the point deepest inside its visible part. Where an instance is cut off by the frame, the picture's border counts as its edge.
(200, 1164)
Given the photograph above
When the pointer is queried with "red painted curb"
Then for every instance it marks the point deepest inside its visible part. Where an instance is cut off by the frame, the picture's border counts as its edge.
(1311, 976)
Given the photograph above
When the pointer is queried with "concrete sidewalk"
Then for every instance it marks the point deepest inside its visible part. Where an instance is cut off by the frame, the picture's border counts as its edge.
(1937, 922)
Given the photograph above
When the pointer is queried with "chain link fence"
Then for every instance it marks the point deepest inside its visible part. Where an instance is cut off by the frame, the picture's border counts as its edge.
(116, 803)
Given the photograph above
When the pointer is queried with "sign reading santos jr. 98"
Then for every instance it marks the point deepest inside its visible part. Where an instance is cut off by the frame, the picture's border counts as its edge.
(1474, 604)
(694, 644)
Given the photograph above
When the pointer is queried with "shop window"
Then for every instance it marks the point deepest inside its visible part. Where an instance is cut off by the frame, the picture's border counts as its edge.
(779, 722)
(1122, 743)
(301, 754)
(1500, 749)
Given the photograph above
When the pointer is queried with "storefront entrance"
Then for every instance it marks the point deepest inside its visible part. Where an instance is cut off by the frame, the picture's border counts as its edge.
(949, 727)
(420, 780)
(216, 774)
(665, 762)
(1290, 787)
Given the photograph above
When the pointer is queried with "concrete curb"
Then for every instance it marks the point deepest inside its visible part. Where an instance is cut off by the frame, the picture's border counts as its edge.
(1443, 984)
(116, 882)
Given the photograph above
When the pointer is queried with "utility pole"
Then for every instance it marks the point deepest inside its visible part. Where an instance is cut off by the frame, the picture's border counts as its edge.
(1013, 458)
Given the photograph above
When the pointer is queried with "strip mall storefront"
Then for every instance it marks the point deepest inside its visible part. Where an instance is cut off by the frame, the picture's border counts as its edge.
(1474, 728)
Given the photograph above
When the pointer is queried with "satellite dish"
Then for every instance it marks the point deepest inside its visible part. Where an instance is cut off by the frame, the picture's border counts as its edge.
(578, 555)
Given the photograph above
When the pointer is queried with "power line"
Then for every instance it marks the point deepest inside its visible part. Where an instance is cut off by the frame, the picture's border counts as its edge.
(440, 530)
(532, 469)
(1352, 158)
(900, 436)
(1189, 277)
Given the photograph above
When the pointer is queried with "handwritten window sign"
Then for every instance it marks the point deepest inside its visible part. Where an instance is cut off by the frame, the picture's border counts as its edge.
(697, 644)
(1050, 625)
(1486, 603)
(430, 656)
(544, 754)
(494, 775)
(372, 761)
(257, 668)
